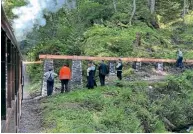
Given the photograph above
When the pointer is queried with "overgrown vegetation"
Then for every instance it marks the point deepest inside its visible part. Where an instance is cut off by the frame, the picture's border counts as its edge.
(132, 108)
(34, 88)
(102, 28)
(105, 28)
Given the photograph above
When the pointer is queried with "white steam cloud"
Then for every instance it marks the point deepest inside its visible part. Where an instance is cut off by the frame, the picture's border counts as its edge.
(32, 15)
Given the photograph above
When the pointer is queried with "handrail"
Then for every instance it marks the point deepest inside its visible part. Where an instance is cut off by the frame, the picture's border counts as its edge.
(129, 59)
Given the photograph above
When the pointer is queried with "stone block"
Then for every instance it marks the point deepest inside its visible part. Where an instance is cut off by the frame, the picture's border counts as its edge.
(112, 70)
(76, 81)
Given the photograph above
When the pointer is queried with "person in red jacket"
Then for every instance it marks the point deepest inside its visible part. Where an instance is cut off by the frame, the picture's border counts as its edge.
(65, 76)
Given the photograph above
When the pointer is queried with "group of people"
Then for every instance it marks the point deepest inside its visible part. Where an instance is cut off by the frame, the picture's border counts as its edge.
(103, 71)
(64, 76)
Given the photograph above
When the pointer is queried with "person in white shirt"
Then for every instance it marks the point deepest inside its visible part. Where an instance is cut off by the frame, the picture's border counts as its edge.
(119, 68)
(49, 77)
(94, 72)
(90, 76)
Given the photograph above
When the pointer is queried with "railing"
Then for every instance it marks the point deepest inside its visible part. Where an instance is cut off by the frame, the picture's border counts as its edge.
(110, 58)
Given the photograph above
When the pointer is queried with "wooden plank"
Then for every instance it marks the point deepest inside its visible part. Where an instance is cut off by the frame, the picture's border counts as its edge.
(129, 59)
(32, 62)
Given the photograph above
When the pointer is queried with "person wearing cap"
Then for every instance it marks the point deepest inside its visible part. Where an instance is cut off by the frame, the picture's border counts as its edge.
(49, 77)
(119, 68)
(65, 76)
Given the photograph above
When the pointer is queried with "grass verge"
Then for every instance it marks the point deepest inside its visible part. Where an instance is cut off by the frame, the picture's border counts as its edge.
(131, 108)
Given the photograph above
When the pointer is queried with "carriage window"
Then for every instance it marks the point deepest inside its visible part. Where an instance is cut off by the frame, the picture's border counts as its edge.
(3, 75)
(16, 73)
(9, 73)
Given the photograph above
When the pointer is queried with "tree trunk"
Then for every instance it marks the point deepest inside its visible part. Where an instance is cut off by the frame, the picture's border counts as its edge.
(138, 39)
(184, 10)
(152, 6)
(115, 5)
(170, 125)
(149, 3)
(133, 12)
(190, 4)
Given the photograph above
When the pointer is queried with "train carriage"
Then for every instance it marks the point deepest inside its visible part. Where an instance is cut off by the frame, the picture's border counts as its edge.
(11, 78)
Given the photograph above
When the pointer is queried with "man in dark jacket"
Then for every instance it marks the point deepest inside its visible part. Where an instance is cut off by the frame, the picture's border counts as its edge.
(103, 71)
(119, 69)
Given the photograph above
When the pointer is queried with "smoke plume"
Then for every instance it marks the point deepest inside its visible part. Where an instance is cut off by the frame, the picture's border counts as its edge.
(32, 15)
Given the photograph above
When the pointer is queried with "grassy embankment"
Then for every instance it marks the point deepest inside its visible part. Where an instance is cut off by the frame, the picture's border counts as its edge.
(134, 107)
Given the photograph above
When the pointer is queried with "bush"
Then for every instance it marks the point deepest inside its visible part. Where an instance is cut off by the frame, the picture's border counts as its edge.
(128, 72)
(176, 98)
(94, 102)
(115, 120)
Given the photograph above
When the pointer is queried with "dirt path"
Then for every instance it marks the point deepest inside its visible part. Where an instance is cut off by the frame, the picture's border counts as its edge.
(154, 78)
(31, 115)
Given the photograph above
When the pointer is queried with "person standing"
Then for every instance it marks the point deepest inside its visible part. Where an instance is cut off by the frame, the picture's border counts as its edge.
(49, 77)
(103, 71)
(65, 76)
(94, 72)
(119, 68)
(90, 76)
(179, 59)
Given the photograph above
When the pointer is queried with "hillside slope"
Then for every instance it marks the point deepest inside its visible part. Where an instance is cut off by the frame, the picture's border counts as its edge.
(124, 107)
